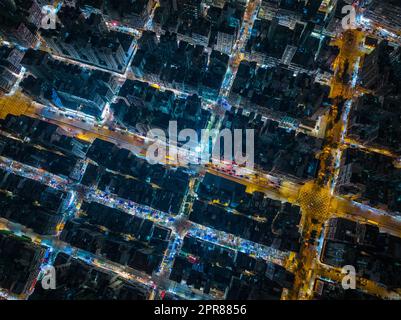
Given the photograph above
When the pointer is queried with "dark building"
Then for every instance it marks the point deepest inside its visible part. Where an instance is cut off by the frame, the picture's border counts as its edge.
(68, 86)
(224, 205)
(374, 121)
(209, 267)
(374, 254)
(138, 181)
(277, 149)
(278, 92)
(133, 242)
(370, 178)
(20, 21)
(181, 66)
(272, 43)
(324, 290)
(77, 280)
(385, 14)
(131, 13)
(45, 134)
(381, 70)
(19, 263)
(31, 203)
(10, 67)
(89, 40)
(141, 107)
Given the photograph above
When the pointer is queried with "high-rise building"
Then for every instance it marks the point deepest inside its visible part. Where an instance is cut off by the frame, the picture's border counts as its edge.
(20, 20)
(225, 39)
(378, 72)
(68, 86)
(385, 14)
(10, 67)
(89, 40)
